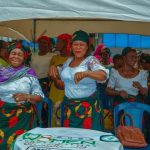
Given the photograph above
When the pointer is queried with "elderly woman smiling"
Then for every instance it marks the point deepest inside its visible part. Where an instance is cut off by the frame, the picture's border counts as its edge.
(19, 90)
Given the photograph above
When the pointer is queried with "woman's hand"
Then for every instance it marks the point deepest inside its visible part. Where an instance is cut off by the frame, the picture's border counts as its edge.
(111, 92)
(142, 90)
(59, 84)
(137, 85)
(53, 72)
(123, 94)
(20, 97)
(27, 97)
(79, 76)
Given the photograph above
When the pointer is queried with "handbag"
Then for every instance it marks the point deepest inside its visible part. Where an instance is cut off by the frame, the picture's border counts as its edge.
(130, 136)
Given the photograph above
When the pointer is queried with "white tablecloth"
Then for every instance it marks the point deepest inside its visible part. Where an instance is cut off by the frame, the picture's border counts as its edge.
(66, 139)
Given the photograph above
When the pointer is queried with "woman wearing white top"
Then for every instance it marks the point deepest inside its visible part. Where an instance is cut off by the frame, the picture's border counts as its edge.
(79, 75)
(127, 83)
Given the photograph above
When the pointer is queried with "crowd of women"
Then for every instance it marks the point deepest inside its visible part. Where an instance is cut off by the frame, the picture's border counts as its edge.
(87, 82)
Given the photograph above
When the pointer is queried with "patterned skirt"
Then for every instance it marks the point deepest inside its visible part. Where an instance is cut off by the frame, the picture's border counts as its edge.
(83, 113)
(15, 119)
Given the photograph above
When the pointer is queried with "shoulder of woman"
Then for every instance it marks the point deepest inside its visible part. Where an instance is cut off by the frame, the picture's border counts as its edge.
(144, 73)
(113, 70)
(68, 61)
(55, 56)
(31, 72)
(91, 58)
(116, 72)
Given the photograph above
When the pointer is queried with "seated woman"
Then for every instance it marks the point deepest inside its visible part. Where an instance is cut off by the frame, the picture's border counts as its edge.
(79, 74)
(127, 83)
(19, 91)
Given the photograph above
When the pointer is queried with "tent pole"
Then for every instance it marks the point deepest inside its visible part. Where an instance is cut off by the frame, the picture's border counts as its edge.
(97, 39)
(34, 33)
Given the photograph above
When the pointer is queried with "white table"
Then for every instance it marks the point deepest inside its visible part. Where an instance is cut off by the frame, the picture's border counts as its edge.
(66, 139)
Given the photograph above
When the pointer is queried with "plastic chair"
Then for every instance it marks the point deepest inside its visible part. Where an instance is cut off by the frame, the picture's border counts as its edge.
(136, 110)
(39, 107)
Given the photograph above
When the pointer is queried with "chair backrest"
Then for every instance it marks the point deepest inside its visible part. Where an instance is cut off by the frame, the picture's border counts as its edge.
(136, 110)
(39, 107)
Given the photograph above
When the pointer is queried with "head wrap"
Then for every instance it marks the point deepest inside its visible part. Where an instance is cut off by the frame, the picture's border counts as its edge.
(46, 38)
(26, 50)
(67, 39)
(126, 50)
(80, 36)
(98, 51)
(106, 50)
(145, 58)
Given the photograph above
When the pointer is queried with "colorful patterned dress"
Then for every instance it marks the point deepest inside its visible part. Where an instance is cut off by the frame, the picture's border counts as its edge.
(82, 109)
(16, 118)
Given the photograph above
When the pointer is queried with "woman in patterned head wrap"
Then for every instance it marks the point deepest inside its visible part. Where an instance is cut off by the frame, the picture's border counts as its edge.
(79, 74)
(25, 50)
(103, 53)
(99, 50)
(19, 90)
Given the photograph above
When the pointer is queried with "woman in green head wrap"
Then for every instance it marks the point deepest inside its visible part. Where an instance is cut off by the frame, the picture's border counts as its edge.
(79, 74)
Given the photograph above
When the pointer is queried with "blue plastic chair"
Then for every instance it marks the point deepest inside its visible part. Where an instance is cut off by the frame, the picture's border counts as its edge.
(39, 107)
(136, 110)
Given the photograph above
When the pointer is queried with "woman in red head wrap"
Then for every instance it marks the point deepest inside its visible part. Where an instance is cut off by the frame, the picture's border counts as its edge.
(45, 45)
(63, 45)
(41, 60)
